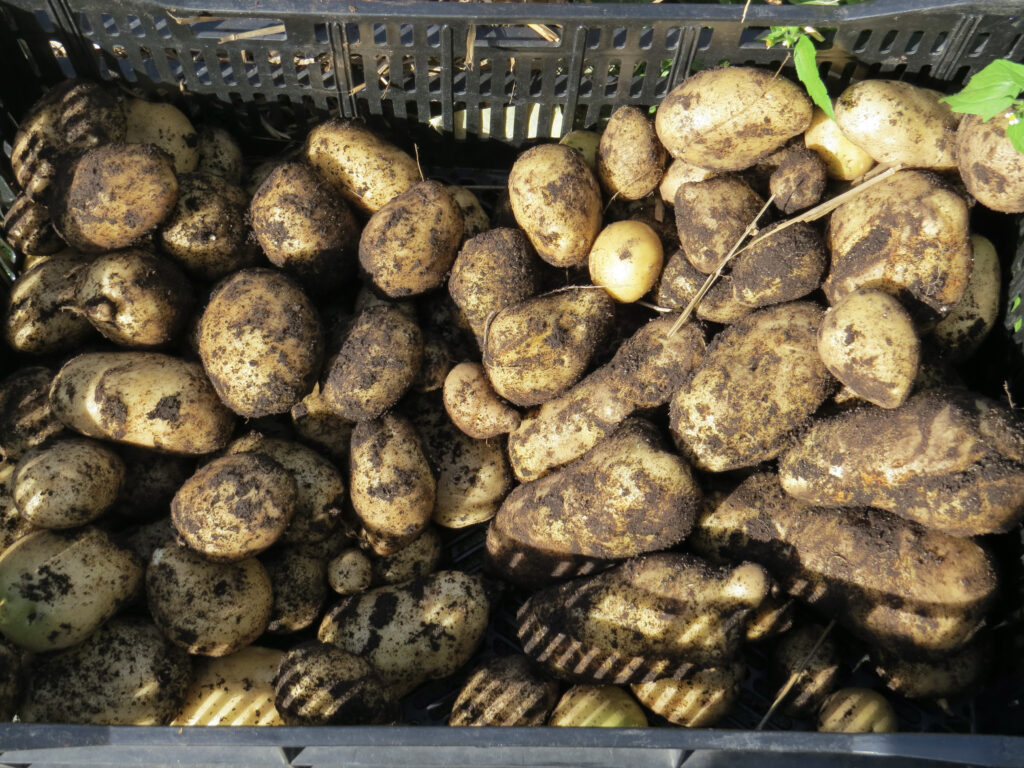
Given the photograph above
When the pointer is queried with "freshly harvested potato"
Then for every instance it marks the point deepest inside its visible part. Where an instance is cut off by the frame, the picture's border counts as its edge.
(597, 706)
(816, 669)
(38, 146)
(145, 539)
(536, 349)
(13, 527)
(126, 673)
(726, 119)
(475, 220)
(626, 260)
(237, 689)
(681, 281)
(890, 582)
(991, 168)
(857, 710)
(350, 572)
(90, 116)
(219, 154)
(868, 342)
(114, 195)
(779, 266)
(155, 478)
(949, 460)
(655, 616)
(626, 496)
(760, 380)
(207, 608)
(317, 423)
(798, 180)
(680, 172)
(898, 123)
(907, 234)
(368, 171)
(261, 342)
(474, 406)
(413, 561)
(68, 483)
(299, 580)
(712, 216)
(26, 419)
(698, 701)
(28, 229)
(953, 675)
(165, 127)
(57, 587)
(961, 332)
(438, 361)
(504, 691)
(318, 684)
(773, 617)
(630, 159)
(843, 159)
(557, 202)
(378, 362)
(586, 143)
(39, 319)
(421, 630)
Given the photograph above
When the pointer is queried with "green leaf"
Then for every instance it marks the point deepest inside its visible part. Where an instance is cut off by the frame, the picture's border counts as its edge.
(806, 59)
(1017, 325)
(991, 91)
(1015, 133)
(1016, 303)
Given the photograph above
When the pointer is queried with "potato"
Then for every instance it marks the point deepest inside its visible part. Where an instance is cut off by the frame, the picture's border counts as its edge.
(126, 673)
(536, 349)
(315, 422)
(857, 710)
(90, 116)
(165, 127)
(28, 229)
(711, 217)
(39, 320)
(145, 539)
(727, 119)
(626, 260)
(219, 154)
(947, 459)
(414, 561)
(504, 691)
(421, 630)
(350, 572)
(798, 181)
(698, 701)
(779, 266)
(207, 608)
(11, 684)
(898, 123)
(907, 234)
(112, 196)
(318, 684)
(438, 361)
(630, 159)
(773, 617)
(624, 497)
(299, 580)
(261, 342)
(843, 159)
(958, 673)
(237, 689)
(57, 587)
(655, 616)
(597, 706)
(681, 281)
(761, 380)
(475, 220)
(473, 405)
(155, 478)
(378, 362)
(557, 202)
(368, 171)
(67, 484)
(681, 172)
(39, 145)
(991, 168)
(961, 332)
(816, 670)
(586, 143)
(890, 582)
(13, 527)
(26, 419)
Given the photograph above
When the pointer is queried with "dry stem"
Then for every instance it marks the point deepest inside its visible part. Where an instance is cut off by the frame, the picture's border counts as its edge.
(781, 696)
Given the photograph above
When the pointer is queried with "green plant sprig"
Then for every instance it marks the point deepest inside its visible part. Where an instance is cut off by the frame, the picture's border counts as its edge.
(805, 57)
(995, 90)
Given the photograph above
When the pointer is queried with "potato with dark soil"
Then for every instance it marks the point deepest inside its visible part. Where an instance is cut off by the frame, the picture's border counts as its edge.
(298, 577)
(711, 217)
(316, 422)
(237, 689)
(992, 169)
(39, 145)
(959, 673)
(475, 220)
(505, 691)
(165, 127)
(630, 159)
(474, 406)
(351, 572)
(26, 419)
(28, 229)
(680, 172)
(155, 478)
(220, 154)
(779, 266)
(90, 116)
(39, 319)
(816, 669)
(799, 179)
(969, 322)
(698, 701)
(680, 282)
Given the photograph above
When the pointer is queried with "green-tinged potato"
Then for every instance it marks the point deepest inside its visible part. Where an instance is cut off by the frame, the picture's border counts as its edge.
(586, 143)
(897, 586)
(947, 459)
(305, 229)
(898, 123)
(868, 342)
(626, 260)
(408, 246)
(233, 690)
(378, 362)
(655, 616)
(134, 298)
(364, 168)
(991, 167)
(698, 701)
(261, 342)
(760, 381)
(315, 422)
(114, 195)
(166, 127)
(10, 681)
(712, 216)
(26, 419)
(536, 349)
(473, 405)
(39, 319)
(857, 710)
(126, 673)
(144, 399)
(843, 159)
(779, 266)
(28, 229)
(727, 119)
(392, 487)
(318, 684)
(961, 332)
(350, 573)
(958, 673)
(907, 235)
(680, 172)
(235, 507)
(207, 232)
(299, 580)
(504, 691)
(557, 202)
(630, 159)
(475, 220)
(421, 630)
(798, 180)
(207, 608)
(38, 146)
(219, 154)
(808, 661)
(57, 587)
(597, 706)
(624, 497)
(67, 483)
(155, 478)
(773, 617)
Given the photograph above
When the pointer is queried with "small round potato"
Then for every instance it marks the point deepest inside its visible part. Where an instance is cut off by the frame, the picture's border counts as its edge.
(413, 561)
(163, 126)
(711, 216)
(992, 169)
(698, 701)
(626, 260)
(233, 690)
(798, 180)
(586, 143)
(474, 218)
(843, 159)
(68, 483)
(39, 320)
(597, 706)
(505, 691)
(961, 332)
(350, 572)
(28, 229)
(630, 159)
(474, 406)
(857, 710)
(219, 154)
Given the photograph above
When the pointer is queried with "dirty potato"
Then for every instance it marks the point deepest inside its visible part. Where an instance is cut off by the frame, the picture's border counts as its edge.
(298, 577)
(219, 154)
(475, 220)
(505, 691)
(711, 216)
(990, 166)
(698, 701)
(26, 419)
(779, 266)
(39, 319)
(630, 159)
(961, 332)
(680, 172)
(814, 663)
(350, 572)
(237, 689)
(413, 561)
(317, 423)
(28, 229)
(474, 406)
(798, 180)
(956, 674)
(165, 127)
(857, 710)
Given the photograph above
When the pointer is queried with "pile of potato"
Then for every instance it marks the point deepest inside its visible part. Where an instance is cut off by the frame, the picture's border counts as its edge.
(249, 399)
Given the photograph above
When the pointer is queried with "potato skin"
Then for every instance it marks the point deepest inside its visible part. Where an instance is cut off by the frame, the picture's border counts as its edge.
(783, 266)
(857, 710)
(26, 419)
(962, 331)
(992, 169)
(413, 561)
(350, 572)
(28, 229)
(166, 127)
(597, 706)
(245, 680)
(817, 673)
(698, 701)
(711, 216)
(630, 159)
(38, 146)
(473, 405)
(37, 320)
(505, 691)
(219, 154)
(843, 159)
(959, 673)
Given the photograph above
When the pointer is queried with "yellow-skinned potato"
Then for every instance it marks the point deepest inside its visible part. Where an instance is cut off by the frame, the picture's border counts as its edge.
(26, 419)
(557, 202)
(474, 406)
(57, 587)
(626, 260)
(798, 180)
(144, 399)
(961, 332)
(505, 691)
(773, 617)
(698, 701)
(28, 229)
(298, 577)
(843, 159)
(38, 319)
(219, 154)
(817, 673)
(350, 572)
(727, 119)
(630, 159)
(413, 561)
(475, 220)
(165, 127)
(90, 116)
(37, 147)
(233, 690)
(597, 706)
(584, 142)
(680, 172)
(364, 168)
(711, 216)
(857, 710)
(956, 674)
(317, 423)
(992, 169)
(681, 281)
(779, 266)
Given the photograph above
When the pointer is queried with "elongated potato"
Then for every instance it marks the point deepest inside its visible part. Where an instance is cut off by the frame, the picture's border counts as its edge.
(474, 406)
(961, 332)
(630, 159)
(681, 281)
(991, 167)
(711, 216)
(38, 319)
(505, 691)
(237, 689)
(698, 701)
